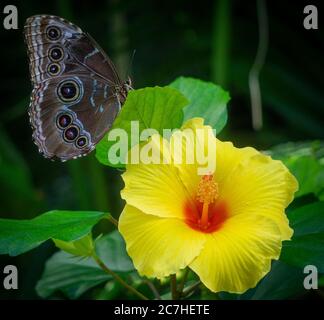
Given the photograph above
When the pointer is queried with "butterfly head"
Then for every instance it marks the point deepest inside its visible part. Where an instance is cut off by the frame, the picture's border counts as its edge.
(125, 88)
(128, 85)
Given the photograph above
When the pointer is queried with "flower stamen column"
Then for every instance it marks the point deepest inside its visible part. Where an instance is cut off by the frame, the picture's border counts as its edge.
(207, 193)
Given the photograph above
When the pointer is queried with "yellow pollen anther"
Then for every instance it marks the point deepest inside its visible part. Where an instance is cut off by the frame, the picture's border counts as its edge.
(207, 193)
(207, 190)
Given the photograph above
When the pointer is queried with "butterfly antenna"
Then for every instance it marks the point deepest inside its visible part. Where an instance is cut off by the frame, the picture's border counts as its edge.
(130, 63)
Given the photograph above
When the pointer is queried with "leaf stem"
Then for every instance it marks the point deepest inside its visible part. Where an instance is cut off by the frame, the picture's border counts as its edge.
(112, 220)
(173, 284)
(183, 281)
(191, 289)
(153, 289)
(118, 278)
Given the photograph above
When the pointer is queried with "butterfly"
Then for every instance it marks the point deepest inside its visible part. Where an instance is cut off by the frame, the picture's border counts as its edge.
(77, 92)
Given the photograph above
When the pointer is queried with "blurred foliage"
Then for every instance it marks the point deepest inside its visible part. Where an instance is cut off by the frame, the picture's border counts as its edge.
(214, 40)
(73, 276)
(306, 246)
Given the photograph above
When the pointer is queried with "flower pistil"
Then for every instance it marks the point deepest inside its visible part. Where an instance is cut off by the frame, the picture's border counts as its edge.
(207, 193)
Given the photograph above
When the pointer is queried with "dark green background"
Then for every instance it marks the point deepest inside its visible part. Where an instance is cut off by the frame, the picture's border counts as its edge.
(212, 40)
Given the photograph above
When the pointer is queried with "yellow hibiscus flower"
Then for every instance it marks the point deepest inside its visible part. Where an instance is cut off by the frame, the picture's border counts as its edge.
(226, 226)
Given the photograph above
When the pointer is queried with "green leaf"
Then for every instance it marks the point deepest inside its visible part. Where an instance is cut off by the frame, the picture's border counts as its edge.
(112, 290)
(111, 249)
(154, 108)
(308, 219)
(302, 201)
(306, 162)
(83, 247)
(282, 282)
(18, 236)
(298, 149)
(74, 276)
(207, 101)
(307, 244)
(69, 274)
(308, 171)
(321, 281)
(305, 250)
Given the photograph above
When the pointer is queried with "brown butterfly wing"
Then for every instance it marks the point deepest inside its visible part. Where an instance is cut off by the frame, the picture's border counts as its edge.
(76, 88)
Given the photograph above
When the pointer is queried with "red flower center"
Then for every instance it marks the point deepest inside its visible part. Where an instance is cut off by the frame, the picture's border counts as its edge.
(205, 213)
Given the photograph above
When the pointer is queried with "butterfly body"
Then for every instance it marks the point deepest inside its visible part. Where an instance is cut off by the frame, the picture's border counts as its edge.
(77, 92)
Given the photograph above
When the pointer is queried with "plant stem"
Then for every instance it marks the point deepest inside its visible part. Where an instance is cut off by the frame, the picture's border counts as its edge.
(153, 289)
(118, 278)
(221, 36)
(254, 84)
(183, 281)
(173, 283)
(113, 220)
(191, 289)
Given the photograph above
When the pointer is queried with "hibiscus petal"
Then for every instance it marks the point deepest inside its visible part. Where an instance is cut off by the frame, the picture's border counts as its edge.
(222, 156)
(158, 246)
(260, 185)
(155, 188)
(229, 157)
(238, 255)
(193, 151)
